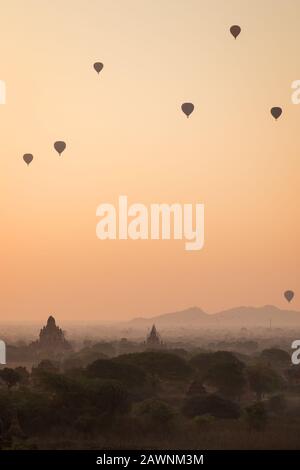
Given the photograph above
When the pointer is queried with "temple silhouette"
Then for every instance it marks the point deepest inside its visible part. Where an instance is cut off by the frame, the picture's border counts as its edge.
(153, 340)
(52, 339)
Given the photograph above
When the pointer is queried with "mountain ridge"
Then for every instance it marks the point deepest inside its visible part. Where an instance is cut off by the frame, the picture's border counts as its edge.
(243, 316)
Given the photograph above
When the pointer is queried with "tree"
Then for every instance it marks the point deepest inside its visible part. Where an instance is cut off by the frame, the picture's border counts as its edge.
(262, 379)
(58, 384)
(37, 411)
(206, 362)
(6, 406)
(277, 404)
(211, 404)
(82, 358)
(24, 375)
(276, 357)
(196, 388)
(229, 379)
(156, 413)
(111, 369)
(112, 398)
(104, 348)
(46, 366)
(222, 370)
(256, 416)
(10, 376)
(163, 364)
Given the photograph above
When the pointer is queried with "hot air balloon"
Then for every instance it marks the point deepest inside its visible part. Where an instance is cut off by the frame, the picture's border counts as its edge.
(235, 30)
(60, 146)
(187, 108)
(276, 112)
(289, 295)
(98, 66)
(28, 157)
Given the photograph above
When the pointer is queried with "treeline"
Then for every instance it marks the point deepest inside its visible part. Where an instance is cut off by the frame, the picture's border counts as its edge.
(148, 399)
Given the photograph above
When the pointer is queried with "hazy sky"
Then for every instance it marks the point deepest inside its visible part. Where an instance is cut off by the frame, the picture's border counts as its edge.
(125, 134)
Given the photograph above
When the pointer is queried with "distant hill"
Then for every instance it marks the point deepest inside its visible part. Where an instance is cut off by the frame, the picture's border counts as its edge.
(190, 316)
(239, 317)
(259, 317)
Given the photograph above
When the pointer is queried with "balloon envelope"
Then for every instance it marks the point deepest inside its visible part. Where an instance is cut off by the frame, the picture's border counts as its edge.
(187, 108)
(60, 146)
(289, 295)
(276, 112)
(28, 157)
(98, 66)
(235, 30)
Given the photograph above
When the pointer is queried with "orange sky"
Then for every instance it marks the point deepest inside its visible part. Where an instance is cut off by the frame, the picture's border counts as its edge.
(125, 134)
